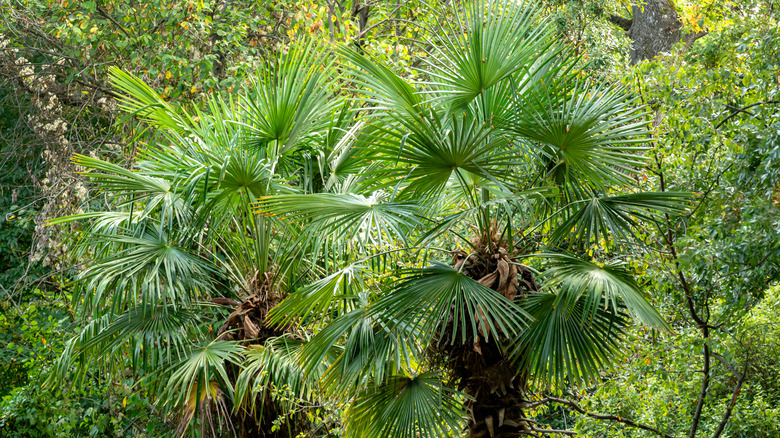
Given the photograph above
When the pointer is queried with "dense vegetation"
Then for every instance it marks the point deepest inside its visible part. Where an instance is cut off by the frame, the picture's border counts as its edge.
(313, 219)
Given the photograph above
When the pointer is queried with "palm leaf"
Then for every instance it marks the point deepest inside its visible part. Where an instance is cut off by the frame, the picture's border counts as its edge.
(487, 43)
(316, 301)
(567, 343)
(370, 350)
(419, 406)
(427, 300)
(274, 366)
(195, 373)
(619, 216)
(385, 93)
(601, 283)
(154, 335)
(369, 220)
(290, 100)
(131, 185)
(155, 267)
(593, 133)
(142, 101)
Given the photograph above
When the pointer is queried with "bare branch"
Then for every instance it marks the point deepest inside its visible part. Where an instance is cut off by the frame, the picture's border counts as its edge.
(623, 22)
(734, 395)
(736, 111)
(576, 407)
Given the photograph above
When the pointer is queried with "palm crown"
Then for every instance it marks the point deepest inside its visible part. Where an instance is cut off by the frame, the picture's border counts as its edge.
(419, 252)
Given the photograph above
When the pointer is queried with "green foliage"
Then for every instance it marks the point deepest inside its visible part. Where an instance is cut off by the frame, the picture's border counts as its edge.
(403, 407)
(30, 337)
(219, 207)
(32, 340)
(17, 195)
(716, 135)
(658, 383)
(94, 410)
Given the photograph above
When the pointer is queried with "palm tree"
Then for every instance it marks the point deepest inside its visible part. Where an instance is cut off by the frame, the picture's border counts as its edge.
(425, 255)
(178, 242)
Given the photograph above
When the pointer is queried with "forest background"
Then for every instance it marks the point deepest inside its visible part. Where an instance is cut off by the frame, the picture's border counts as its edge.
(709, 72)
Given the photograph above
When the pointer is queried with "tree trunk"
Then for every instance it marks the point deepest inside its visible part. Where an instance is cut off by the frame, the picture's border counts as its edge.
(655, 28)
(360, 10)
(495, 384)
(496, 408)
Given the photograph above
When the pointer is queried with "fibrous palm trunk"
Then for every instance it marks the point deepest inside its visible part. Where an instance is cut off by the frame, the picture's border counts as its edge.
(482, 368)
(247, 323)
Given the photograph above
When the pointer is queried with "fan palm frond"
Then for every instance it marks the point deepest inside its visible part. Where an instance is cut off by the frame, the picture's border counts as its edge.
(142, 101)
(428, 299)
(202, 368)
(275, 365)
(587, 132)
(133, 186)
(369, 220)
(567, 343)
(316, 301)
(291, 98)
(156, 267)
(419, 406)
(599, 284)
(619, 216)
(487, 43)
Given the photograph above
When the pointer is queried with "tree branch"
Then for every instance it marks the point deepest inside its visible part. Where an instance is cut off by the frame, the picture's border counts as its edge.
(108, 17)
(734, 395)
(736, 111)
(622, 22)
(535, 431)
(576, 407)
(688, 291)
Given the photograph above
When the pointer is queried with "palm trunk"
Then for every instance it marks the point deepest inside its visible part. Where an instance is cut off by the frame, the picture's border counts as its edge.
(247, 323)
(495, 384)
(497, 393)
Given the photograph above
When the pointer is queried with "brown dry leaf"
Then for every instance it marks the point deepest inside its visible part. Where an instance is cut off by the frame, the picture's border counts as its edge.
(225, 301)
(509, 288)
(503, 273)
(250, 329)
(489, 279)
(482, 327)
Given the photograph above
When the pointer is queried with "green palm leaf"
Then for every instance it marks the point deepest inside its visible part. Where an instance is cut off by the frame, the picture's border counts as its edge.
(593, 133)
(419, 406)
(319, 299)
(155, 267)
(290, 100)
(486, 44)
(385, 93)
(427, 300)
(194, 377)
(274, 366)
(142, 101)
(601, 283)
(594, 218)
(567, 343)
(155, 335)
(369, 220)
(132, 186)
(370, 350)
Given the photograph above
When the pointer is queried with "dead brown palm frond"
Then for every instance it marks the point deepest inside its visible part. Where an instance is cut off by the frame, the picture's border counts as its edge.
(209, 404)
